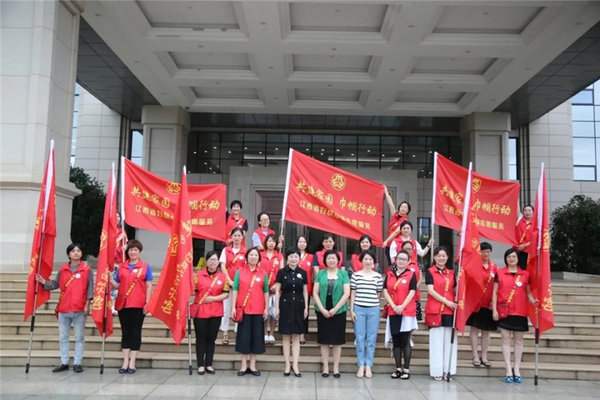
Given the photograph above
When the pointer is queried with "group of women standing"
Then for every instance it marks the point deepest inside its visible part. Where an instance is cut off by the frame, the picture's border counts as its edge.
(260, 286)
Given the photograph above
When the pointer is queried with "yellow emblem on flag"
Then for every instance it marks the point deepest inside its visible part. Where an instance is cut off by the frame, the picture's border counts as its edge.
(173, 187)
(476, 184)
(338, 182)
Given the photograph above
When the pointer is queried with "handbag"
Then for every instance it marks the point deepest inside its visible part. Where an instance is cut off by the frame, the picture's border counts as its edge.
(239, 309)
(433, 320)
(502, 308)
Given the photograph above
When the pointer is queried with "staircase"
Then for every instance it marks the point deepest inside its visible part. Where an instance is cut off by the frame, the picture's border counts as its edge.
(571, 350)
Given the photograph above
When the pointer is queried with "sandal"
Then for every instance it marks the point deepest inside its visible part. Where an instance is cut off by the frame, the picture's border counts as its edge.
(438, 378)
(397, 374)
(405, 374)
(225, 339)
(486, 363)
(200, 370)
(508, 379)
(476, 362)
(517, 379)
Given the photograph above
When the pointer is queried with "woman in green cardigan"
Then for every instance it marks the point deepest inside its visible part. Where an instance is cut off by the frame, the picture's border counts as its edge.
(331, 292)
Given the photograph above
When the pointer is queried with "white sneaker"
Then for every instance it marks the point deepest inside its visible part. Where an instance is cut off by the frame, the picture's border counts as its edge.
(272, 338)
(412, 343)
(114, 312)
(266, 338)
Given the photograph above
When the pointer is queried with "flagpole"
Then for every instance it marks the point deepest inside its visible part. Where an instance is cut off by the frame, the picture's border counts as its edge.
(285, 195)
(466, 211)
(189, 310)
(539, 255)
(435, 155)
(39, 264)
(35, 295)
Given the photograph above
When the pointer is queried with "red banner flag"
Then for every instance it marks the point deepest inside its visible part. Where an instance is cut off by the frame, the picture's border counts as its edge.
(44, 236)
(495, 202)
(150, 201)
(331, 199)
(169, 302)
(539, 267)
(469, 289)
(102, 305)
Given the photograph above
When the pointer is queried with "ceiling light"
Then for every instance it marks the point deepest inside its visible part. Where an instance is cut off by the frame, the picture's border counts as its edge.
(245, 148)
(195, 152)
(368, 150)
(260, 152)
(414, 155)
(276, 148)
(205, 163)
(215, 147)
(352, 154)
(229, 151)
(337, 149)
(307, 149)
(206, 151)
(399, 151)
(322, 149)
(383, 155)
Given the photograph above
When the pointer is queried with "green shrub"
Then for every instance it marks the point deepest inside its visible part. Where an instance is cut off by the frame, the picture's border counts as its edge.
(88, 211)
(575, 235)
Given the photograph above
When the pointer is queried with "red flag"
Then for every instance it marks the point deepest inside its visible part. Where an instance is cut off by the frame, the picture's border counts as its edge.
(494, 201)
(44, 236)
(102, 304)
(331, 199)
(149, 202)
(539, 268)
(469, 288)
(169, 302)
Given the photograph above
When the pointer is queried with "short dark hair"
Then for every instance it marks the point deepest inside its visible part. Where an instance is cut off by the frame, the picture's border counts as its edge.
(234, 202)
(210, 254)
(440, 248)
(406, 223)
(134, 243)
(327, 253)
(407, 204)
(367, 253)
(403, 252)
(251, 249)
(508, 253)
(269, 236)
(260, 214)
(407, 242)
(485, 246)
(237, 229)
(72, 246)
(292, 250)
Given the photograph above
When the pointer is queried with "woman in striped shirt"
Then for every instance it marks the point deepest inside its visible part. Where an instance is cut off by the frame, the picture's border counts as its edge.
(365, 288)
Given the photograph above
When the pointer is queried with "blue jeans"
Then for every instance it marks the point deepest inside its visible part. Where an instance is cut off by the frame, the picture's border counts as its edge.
(365, 330)
(64, 327)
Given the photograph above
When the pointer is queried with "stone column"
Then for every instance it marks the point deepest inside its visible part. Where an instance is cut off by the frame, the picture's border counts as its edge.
(165, 152)
(39, 59)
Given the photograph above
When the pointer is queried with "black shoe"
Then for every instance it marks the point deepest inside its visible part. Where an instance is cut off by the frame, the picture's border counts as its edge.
(241, 373)
(325, 374)
(297, 374)
(61, 368)
(255, 373)
(337, 375)
(131, 370)
(210, 371)
(201, 372)
(286, 373)
(122, 370)
(77, 368)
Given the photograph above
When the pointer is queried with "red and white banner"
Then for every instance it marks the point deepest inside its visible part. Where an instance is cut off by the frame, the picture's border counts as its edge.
(102, 304)
(469, 288)
(149, 202)
(44, 236)
(539, 267)
(495, 202)
(331, 199)
(169, 301)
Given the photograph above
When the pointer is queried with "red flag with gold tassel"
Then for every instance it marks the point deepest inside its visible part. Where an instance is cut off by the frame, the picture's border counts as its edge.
(44, 236)
(169, 301)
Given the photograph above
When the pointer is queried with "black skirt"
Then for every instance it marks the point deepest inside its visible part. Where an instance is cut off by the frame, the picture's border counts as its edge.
(482, 319)
(250, 336)
(331, 330)
(291, 315)
(514, 323)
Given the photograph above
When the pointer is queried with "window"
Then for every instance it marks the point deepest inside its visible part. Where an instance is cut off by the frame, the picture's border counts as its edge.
(513, 156)
(586, 133)
(137, 147)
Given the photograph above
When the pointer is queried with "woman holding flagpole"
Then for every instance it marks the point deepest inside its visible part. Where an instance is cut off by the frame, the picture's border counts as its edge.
(235, 219)
(439, 315)
(331, 293)
(262, 231)
(76, 283)
(509, 309)
(232, 258)
(405, 231)
(397, 216)
(250, 297)
(305, 263)
(134, 284)
(525, 232)
(207, 310)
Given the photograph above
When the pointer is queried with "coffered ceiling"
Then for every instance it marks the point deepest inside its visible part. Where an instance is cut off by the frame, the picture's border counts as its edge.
(426, 58)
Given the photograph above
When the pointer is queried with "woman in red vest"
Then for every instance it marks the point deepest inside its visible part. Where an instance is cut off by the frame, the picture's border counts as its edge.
(439, 312)
(119, 254)
(235, 220)
(399, 290)
(481, 319)
(525, 236)
(76, 285)
(509, 309)
(250, 295)
(211, 289)
(364, 244)
(405, 231)
(134, 282)
(260, 234)
(397, 216)
(416, 268)
(232, 258)
(305, 263)
(328, 243)
(270, 261)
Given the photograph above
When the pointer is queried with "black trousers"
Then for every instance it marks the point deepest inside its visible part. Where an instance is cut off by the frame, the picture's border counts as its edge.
(131, 320)
(206, 333)
(402, 349)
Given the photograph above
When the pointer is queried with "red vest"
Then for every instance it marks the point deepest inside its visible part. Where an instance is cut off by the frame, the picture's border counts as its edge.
(487, 277)
(444, 286)
(414, 267)
(512, 292)
(399, 241)
(357, 265)
(398, 289)
(234, 261)
(256, 301)
(525, 233)
(73, 295)
(306, 263)
(137, 297)
(319, 255)
(271, 266)
(232, 223)
(208, 285)
(262, 236)
(395, 221)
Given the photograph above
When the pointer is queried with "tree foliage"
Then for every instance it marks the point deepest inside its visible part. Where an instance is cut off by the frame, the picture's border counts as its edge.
(575, 234)
(88, 211)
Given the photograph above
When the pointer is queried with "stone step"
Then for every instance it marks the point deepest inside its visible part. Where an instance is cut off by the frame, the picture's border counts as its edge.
(420, 350)
(179, 359)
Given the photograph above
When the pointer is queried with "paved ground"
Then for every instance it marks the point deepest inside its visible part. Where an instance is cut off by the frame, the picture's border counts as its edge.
(177, 384)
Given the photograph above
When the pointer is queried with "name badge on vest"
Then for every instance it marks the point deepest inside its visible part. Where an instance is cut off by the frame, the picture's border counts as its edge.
(519, 284)
(257, 279)
(219, 282)
(493, 275)
(134, 271)
(403, 281)
(77, 275)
